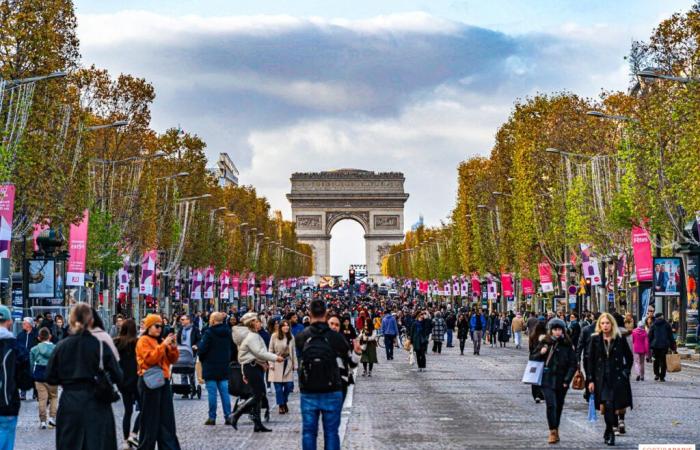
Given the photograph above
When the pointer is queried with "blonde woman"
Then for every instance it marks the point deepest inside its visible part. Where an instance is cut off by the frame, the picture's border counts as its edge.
(281, 374)
(610, 363)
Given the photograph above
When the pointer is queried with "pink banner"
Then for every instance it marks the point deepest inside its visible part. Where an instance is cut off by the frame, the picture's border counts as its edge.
(197, 281)
(235, 283)
(7, 205)
(641, 246)
(224, 285)
(528, 286)
(545, 277)
(491, 289)
(38, 228)
(244, 286)
(507, 284)
(476, 285)
(209, 280)
(148, 272)
(77, 247)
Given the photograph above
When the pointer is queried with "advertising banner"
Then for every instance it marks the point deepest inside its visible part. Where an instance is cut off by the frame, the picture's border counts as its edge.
(641, 247)
(455, 288)
(251, 285)
(271, 283)
(209, 280)
(507, 284)
(123, 277)
(148, 272)
(224, 285)
(197, 282)
(77, 247)
(235, 284)
(528, 286)
(448, 288)
(491, 287)
(7, 205)
(667, 276)
(545, 272)
(476, 285)
(244, 285)
(465, 287)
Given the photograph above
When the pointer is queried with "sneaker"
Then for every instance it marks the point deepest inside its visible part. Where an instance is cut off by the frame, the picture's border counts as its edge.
(43, 425)
(621, 427)
(369, 374)
(52, 423)
(210, 422)
(537, 400)
(133, 440)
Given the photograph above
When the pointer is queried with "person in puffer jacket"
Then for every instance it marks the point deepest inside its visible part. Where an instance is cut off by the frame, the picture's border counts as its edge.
(640, 348)
(48, 395)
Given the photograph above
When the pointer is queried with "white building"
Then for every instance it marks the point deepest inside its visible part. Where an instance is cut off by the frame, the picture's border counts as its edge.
(225, 171)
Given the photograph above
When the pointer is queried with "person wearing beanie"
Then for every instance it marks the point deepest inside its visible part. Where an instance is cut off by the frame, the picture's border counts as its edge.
(559, 358)
(157, 411)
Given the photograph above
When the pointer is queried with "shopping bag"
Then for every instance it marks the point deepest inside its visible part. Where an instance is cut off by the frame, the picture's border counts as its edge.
(533, 372)
(673, 362)
(198, 370)
(591, 408)
(578, 382)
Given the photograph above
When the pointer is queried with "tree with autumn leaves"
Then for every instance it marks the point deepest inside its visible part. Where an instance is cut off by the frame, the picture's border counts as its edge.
(558, 176)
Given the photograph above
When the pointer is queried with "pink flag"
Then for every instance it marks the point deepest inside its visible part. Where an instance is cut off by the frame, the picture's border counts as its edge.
(244, 286)
(545, 277)
(476, 285)
(148, 272)
(7, 205)
(75, 272)
(491, 291)
(641, 246)
(224, 284)
(528, 286)
(235, 283)
(209, 280)
(197, 281)
(507, 284)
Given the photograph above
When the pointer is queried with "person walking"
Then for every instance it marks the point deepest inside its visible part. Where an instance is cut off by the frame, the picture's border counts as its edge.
(583, 346)
(253, 358)
(347, 330)
(420, 331)
(390, 330)
(47, 394)
(660, 341)
(574, 329)
(450, 322)
(319, 378)
(517, 326)
(477, 325)
(538, 332)
(155, 354)
(15, 374)
(126, 346)
(189, 335)
(438, 332)
(368, 343)
(640, 348)
(609, 365)
(26, 339)
(559, 358)
(83, 421)
(281, 374)
(345, 365)
(462, 332)
(215, 354)
(503, 330)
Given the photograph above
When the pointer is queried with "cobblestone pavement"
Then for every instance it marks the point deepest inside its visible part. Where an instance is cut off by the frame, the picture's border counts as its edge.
(460, 402)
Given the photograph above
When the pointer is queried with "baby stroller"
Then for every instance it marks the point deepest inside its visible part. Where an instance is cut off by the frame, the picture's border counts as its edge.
(239, 389)
(185, 366)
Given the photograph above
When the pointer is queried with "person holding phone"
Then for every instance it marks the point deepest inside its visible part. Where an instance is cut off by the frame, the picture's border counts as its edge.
(281, 374)
(157, 412)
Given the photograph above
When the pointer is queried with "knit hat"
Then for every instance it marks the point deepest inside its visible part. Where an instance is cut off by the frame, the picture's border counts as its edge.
(556, 323)
(5, 313)
(249, 317)
(151, 320)
(641, 324)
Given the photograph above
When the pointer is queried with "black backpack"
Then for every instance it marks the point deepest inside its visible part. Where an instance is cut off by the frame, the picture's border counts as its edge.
(319, 371)
(14, 375)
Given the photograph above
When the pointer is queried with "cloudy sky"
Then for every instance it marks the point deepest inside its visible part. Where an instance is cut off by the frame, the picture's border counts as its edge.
(403, 85)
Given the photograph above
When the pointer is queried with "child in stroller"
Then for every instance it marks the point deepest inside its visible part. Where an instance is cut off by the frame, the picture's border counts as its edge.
(185, 366)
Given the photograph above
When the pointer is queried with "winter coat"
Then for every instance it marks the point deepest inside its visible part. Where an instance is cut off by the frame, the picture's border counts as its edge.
(472, 322)
(463, 329)
(215, 350)
(127, 363)
(560, 361)
(640, 341)
(369, 354)
(195, 337)
(150, 352)
(619, 365)
(81, 417)
(503, 330)
(389, 326)
(492, 324)
(574, 332)
(252, 349)
(103, 336)
(450, 321)
(20, 377)
(439, 329)
(40, 354)
(419, 335)
(27, 340)
(281, 372)
(518, 324)
(661, 336)
(584, 345)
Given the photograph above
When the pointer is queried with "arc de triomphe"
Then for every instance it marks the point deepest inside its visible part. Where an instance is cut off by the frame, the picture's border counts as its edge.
(374, 200)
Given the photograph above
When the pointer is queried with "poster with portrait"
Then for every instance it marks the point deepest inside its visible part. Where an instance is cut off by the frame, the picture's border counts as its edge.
(667, 279)
(42, 278)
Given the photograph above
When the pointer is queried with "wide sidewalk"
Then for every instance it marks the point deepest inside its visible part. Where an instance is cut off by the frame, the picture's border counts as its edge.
(460, 402)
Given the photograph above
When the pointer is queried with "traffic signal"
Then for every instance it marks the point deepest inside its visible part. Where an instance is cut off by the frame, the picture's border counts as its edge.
(351, 276)
(588, 287)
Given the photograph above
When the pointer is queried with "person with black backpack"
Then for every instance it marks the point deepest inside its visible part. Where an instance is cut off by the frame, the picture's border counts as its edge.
(15, 374)
(320, 382)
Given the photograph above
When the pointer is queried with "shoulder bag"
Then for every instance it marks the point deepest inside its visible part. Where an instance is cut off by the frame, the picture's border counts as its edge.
(104, 388)
(153, 377)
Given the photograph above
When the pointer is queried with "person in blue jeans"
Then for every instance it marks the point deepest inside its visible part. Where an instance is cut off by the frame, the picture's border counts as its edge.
(390, 330)
(15, 373)
(323, 352)
(281, 374)
(215, 353)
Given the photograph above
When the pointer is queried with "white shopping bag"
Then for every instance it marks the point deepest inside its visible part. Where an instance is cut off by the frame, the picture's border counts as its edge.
(533, 372)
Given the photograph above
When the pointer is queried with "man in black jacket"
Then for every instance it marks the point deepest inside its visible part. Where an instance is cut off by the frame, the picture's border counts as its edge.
(660, 340)
(319, 377)
(582, 347)
(574, 329)
(450, 321)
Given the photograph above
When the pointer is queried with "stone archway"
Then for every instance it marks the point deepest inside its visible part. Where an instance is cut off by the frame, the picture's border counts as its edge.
(375, 200)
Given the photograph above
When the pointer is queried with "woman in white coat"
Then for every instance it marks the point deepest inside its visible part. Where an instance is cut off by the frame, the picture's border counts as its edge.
(281, 374)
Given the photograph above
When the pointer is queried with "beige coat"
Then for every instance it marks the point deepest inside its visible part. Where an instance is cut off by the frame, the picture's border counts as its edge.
(518, 324)
(278, 372)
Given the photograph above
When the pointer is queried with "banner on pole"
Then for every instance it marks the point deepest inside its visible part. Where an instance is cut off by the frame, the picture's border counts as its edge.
(123, 277)
(77, 247)
(545, 277)
(224, 285)
(148, 272)
(7, 205)
(476, 285)
(528, 286)
(641, 247)
(492, 290)
(507, 284)
(197, 281)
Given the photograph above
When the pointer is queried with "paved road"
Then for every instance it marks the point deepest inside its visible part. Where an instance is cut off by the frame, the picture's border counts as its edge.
(461, 402)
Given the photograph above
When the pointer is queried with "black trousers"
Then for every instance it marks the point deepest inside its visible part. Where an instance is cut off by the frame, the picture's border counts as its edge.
(660, 362)
(437, 346)
(157, 418)
(610, 417)
(389, 345)
(536, 392)
(555, 403)
(129, 399)
(420, 358)
(256, 380)
(461, 344)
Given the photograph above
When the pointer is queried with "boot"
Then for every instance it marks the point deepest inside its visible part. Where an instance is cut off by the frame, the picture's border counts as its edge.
(259, 427)
(240, 411)
(556, 433)
(552, 437)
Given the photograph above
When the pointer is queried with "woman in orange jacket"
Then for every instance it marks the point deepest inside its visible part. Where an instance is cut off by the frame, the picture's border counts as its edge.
(154, 355)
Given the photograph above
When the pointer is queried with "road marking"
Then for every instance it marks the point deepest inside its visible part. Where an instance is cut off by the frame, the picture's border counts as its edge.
(346, 410)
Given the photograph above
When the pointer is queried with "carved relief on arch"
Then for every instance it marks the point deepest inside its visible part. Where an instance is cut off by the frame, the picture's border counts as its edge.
(333, 217)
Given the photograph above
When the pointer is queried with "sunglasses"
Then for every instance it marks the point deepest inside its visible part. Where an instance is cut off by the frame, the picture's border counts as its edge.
(158, 325)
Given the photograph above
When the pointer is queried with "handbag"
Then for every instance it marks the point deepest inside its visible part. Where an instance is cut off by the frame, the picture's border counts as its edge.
(673, 362)
(104, 388)
(533, 373)
(578, 381)
(153, 377)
